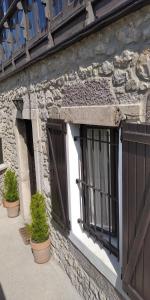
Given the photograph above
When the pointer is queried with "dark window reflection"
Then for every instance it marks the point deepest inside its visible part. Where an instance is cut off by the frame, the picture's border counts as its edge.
(42, 19)
(14, 37)
(57, 7)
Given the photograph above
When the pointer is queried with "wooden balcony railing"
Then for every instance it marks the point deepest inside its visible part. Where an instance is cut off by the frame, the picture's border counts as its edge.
(30, 29)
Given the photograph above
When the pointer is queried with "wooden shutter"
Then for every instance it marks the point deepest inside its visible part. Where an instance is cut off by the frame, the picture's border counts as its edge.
(136, 210)
(58, 172)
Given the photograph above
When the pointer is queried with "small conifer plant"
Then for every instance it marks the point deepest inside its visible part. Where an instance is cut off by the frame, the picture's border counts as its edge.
(10, 186)
(39, 228)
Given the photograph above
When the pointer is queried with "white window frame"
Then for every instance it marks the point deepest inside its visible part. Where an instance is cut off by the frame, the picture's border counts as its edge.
(105, 262)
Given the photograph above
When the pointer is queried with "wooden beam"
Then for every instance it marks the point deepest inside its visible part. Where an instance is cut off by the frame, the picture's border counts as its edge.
(90, 13)
(61, 37)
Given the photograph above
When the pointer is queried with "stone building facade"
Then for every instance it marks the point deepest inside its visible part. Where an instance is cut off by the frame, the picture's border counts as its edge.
(101, 80)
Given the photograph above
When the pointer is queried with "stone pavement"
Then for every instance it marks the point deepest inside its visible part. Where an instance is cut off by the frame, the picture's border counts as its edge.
(20, 277)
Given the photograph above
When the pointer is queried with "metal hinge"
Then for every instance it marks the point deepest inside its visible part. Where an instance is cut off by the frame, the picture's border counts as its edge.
(121, 273)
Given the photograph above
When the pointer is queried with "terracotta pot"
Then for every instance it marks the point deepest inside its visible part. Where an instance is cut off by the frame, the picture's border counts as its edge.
(41, 251)
(12, 208)
(3, 202)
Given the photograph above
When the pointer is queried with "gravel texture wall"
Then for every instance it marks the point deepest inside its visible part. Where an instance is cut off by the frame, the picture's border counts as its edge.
(111, 66)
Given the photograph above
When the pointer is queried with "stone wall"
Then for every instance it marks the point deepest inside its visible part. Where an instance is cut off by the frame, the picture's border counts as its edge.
(111, 66)
(89, 282)
(7, 131)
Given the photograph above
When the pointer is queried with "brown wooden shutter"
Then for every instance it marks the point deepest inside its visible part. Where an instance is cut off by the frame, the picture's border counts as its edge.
(56, 130)
(136, 210)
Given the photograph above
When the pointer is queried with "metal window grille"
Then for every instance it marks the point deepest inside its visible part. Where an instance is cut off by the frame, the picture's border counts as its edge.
(99, 185)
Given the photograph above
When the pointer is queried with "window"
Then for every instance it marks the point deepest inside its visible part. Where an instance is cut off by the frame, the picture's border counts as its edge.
(1, 152)
(98, 185)
(57, 7)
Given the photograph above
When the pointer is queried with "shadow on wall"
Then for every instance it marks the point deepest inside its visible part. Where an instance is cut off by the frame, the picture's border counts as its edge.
(2, 296)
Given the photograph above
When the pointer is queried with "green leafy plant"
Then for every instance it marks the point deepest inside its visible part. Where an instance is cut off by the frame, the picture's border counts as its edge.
(39, 227)
(10, 186)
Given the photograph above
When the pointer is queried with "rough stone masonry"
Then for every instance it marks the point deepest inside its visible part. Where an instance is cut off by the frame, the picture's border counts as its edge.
(109, 67)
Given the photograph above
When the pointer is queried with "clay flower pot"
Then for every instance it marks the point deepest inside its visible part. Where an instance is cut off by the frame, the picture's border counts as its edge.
(12, 208)
(3, 202)
(41, 251)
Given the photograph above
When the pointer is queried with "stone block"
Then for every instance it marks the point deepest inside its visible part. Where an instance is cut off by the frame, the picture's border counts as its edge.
(124, 59)
(143, 66)
(88, 92)
(119, 78)
(106, 69)
(132, 85)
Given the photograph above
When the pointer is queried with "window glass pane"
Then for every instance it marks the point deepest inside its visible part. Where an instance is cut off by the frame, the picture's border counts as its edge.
(42, 19)
(21, 33)
(6, 46)
(1, 11)
(57, 7)
(97, 165)
(5, 6)
(99, 192)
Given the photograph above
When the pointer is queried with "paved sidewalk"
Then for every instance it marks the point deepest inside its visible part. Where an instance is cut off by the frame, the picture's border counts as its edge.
(20, 277)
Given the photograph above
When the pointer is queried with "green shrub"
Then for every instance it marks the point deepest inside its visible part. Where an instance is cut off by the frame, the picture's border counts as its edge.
(10, 186)
(39, 227)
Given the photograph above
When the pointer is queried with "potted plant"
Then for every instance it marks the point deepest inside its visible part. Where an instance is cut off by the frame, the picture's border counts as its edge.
(39, 229)
(10, 193)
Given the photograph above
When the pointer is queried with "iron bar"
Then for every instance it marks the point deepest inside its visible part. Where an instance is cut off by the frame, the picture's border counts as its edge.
(101, 194)
(87, 198)
(99, 236)
(95, 140)
(93, 175)
(95, 190)
(108, 175)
